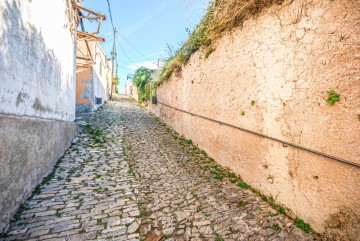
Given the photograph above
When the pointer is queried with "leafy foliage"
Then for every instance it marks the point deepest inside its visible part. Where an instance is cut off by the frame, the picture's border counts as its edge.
(243, 185)
(281, 210)
(302, 225)
(141, 79)
(221, 17)
(116, 80)
(208, 52)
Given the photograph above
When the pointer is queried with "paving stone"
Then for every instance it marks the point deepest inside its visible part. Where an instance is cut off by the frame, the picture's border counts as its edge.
(201, 223)
(83, 236)
(39, 233)
(158, 184)
(133, 227)
(65, 227)
(16, 232)
(46, 213)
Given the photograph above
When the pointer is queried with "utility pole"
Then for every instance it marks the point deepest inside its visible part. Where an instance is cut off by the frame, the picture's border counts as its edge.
(113, 56)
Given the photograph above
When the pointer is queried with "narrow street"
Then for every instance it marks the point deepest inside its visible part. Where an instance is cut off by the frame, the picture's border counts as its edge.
(129, 177)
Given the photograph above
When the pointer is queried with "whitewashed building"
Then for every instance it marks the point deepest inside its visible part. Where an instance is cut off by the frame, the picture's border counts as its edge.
(37, 95)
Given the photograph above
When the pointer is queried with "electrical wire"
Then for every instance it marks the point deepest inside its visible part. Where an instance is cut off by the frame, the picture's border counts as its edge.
(111, 19)
(126, 54)
(134, 47)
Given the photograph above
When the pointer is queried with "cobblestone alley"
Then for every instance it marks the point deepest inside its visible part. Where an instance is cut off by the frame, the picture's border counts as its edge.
(129, 177)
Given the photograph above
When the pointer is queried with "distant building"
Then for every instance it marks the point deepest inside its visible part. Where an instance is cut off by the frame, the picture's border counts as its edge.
(130, 89)
(93, 80)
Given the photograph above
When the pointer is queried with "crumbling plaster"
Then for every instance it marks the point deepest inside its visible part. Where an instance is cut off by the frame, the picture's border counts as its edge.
(37, 64)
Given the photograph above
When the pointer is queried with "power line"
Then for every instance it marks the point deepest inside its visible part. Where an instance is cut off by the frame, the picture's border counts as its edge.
(133, 46)
(114, 50)
(111, 19)
(126, 54)
(124, 59)
(113, 53)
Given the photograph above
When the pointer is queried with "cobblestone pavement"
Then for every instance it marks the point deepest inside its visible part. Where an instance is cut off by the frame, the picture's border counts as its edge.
(129, 177)
(184, 194)
(89, 195)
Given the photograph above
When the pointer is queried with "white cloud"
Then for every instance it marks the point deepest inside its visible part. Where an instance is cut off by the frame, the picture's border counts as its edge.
(147, 64)
(156, 54)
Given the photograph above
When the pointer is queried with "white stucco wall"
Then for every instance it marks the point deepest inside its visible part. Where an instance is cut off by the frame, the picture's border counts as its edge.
(130, 89)
(100, 78)
(37, 60)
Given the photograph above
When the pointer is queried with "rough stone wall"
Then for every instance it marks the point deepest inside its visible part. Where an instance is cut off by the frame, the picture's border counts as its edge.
(285, 60)
(29, 148)
(37, 64)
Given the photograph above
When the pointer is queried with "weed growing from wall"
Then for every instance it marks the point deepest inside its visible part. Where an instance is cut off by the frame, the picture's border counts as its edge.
(302, 225)
(333, 97)
(208, 52)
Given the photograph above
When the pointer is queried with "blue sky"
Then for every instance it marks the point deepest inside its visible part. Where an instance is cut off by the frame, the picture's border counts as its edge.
(147, 25)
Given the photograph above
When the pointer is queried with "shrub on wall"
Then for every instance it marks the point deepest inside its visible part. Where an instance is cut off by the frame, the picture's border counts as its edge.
(222, 16)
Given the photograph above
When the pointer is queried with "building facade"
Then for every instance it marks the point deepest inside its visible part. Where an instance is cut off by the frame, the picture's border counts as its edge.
(93, 81)
(130, 89)
(37, 95)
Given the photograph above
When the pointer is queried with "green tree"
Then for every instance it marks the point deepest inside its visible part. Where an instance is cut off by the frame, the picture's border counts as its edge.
(141, 78)
(116, 80)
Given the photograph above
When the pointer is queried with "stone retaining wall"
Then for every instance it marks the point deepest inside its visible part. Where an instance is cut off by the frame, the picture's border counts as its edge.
(271, 76)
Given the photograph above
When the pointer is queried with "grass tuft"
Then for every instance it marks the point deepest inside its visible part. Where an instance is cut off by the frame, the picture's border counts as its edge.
(209, 52)
(242, 203)
(302, 225)
(276, 227)
(243, 185)
(221, 17)
(281, 210)
(218, 237)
